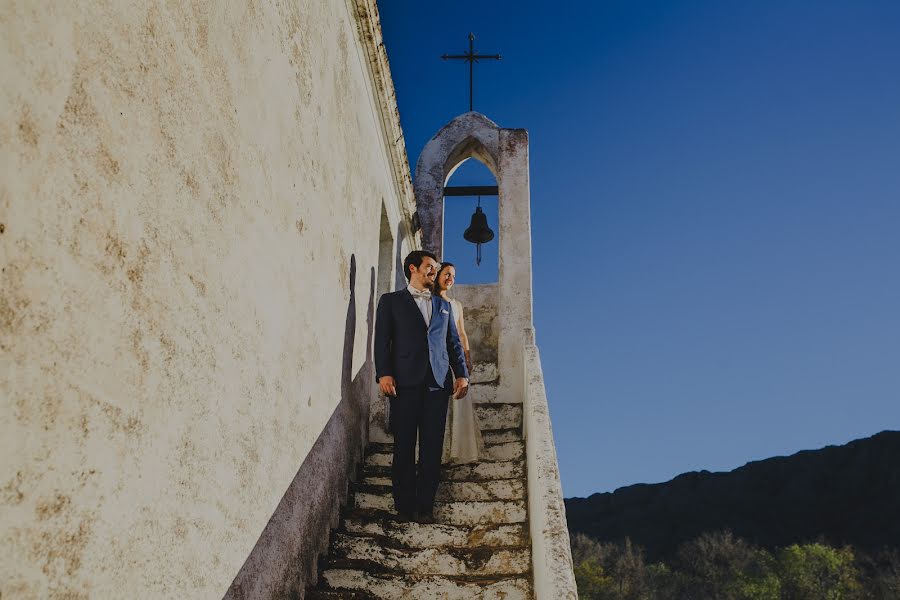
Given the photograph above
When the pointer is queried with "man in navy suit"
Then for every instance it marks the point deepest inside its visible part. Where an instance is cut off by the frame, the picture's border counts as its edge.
(416, 344)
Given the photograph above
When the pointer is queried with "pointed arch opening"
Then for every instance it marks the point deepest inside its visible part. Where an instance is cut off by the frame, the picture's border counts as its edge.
(470, 147)
(471, 172)
(471, 135)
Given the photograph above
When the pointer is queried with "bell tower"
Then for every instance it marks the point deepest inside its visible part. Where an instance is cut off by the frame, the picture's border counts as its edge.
(505, 153)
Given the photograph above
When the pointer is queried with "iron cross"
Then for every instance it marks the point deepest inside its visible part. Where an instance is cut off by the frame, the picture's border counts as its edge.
(471, 58)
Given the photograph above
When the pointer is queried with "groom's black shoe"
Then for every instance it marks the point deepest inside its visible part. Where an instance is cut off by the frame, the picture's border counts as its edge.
(426, 518)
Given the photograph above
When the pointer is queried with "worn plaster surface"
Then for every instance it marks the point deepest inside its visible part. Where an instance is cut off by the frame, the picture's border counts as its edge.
(482, 324)
(514, 215)
(189, 208)
(551, 553)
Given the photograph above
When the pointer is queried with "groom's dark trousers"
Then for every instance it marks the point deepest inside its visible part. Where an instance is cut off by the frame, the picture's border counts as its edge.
(421, 408)
(414, 354)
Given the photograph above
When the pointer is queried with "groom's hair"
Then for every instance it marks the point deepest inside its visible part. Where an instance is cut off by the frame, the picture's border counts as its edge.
(414, 258)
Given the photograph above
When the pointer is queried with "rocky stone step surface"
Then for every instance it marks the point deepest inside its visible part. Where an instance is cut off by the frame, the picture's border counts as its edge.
(484, 373)
(452, 513)
(484, 393)
(383, 454)
(494, 416)
(499, 415)
(349, 550)
(450, 491)
(481, 471)
(407, 534)
(498, 436)
(389, 586)
(481, 513)
(491, 437)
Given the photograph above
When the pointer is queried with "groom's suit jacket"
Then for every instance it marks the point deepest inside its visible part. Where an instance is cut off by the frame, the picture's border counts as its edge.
(405, 347)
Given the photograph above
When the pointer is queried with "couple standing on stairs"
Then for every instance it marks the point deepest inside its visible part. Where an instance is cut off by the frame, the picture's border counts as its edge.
(419, 362)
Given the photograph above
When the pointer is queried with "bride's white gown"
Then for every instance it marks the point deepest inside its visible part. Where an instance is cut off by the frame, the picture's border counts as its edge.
(462, 435)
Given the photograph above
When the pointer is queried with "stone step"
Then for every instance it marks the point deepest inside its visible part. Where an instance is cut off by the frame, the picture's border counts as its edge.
(453, 512)
(483, 393)
(380, 502)
(373, 481)
(472, 512)
(466, 491)
(509, 469)
(317, 594)
(498, 436)
(411, 587)
(383, 455)
(499, 415)
(481, 513)
(484, 373)
(490, 436)
(480, 471)
(494, 434)
(365, 552)
(452, 491)
(418, 535)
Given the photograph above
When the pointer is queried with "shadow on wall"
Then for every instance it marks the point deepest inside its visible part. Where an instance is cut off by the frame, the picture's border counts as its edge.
(400, 277)
(283, 562)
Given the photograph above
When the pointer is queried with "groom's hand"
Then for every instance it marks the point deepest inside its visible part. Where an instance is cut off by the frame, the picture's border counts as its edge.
(388, 386)
(460, 387)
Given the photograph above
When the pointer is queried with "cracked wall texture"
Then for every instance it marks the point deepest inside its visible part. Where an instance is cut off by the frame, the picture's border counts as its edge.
(185, 189)
(480, 310)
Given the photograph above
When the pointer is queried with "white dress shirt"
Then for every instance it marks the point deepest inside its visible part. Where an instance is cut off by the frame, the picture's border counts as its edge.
(423, 301)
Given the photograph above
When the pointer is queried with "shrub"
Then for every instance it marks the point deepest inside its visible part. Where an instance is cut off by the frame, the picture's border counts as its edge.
(818, 572)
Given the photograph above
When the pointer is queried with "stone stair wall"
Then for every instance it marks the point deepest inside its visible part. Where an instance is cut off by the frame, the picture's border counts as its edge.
(554, 575)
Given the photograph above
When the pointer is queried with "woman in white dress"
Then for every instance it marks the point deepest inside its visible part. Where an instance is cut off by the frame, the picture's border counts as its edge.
(462, 436)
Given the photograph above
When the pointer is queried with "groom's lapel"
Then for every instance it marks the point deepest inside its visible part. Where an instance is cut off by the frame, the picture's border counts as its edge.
(437, 309)
(407, 297)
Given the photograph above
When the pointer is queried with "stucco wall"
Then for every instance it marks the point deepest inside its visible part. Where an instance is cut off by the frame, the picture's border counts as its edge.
(185, 188)
(482, 324)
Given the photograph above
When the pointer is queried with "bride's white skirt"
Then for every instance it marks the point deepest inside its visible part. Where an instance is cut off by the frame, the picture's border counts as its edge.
(462, 435)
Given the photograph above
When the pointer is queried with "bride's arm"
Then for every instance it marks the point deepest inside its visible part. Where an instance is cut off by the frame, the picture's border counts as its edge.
(463, 338)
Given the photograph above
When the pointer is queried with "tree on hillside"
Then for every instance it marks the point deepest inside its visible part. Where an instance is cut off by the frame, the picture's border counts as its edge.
(818, 572)
(590, 577)
(610, 571)
(881, 575)
(584, 547)
(592, 582)
(719, 566)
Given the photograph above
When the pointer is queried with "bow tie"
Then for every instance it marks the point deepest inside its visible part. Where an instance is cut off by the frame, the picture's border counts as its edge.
(423, 295)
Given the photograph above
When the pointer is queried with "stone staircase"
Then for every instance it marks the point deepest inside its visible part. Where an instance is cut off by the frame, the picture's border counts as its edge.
(478, 548)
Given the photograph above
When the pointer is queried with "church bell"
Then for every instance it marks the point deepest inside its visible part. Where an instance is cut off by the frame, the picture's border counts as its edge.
(478, 232)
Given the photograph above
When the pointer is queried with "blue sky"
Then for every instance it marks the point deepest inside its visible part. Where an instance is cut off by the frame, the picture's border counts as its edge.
(716, 216)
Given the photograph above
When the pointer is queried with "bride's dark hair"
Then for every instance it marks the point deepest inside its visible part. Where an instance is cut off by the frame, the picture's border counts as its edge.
(437, 278)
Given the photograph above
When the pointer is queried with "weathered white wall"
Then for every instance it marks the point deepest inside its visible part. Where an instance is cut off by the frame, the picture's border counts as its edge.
(480, 303)
(551, 555)
(184, 188)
